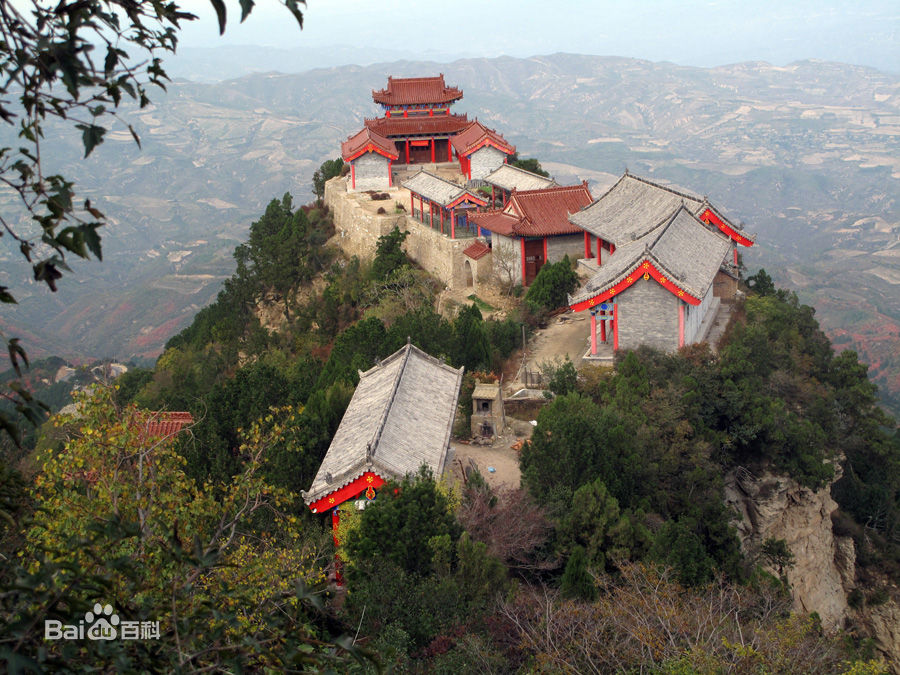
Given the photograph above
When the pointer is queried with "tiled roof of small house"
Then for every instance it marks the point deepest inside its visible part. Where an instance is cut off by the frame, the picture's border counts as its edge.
(509, 177)
(416, 91)
(420, 125)
(162, 425)
(536, 213)
(682, 248)
(634, 206)
(476, 136)
(477, 250)
(367, 140)
(438, 190)
(400, 417)
(489, 390)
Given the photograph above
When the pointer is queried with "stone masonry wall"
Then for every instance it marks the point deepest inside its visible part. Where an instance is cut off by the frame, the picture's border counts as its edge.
(648, 314)
(358, 231)
(371, 172)
(563, 245)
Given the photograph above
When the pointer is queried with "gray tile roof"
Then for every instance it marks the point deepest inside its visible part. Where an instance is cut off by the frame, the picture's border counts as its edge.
(436, 189)
(682, 247)
(509, 177)
(635, 206)
(399, 418)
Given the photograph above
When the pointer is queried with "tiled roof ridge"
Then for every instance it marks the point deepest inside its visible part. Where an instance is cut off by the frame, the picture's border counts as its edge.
(677, 193)
(552, 188)
(372, 446)
(609, 189)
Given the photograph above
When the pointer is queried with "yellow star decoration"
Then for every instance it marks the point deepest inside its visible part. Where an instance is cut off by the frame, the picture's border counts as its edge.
(662, 280)
(369, 479)
(646, 265)
(680, 293)
(331, 500)
(629, 279)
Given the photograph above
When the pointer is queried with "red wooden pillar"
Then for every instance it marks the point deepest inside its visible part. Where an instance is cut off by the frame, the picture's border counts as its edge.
(335, 522)
(545, 251)
(734, 246)
(390, 175)
(680, 325)
(603, 319)
(412, 204)
(453, 223)
(432, 151)
(492, 196)
(523, 262)
(615, 326)
(407, 147)
(431, 214)
(593, 333)
(587, 245)
(599, 251)
(352, 175)
(449, 150)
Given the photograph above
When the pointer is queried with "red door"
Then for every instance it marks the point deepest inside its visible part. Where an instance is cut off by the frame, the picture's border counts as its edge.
(534, 259)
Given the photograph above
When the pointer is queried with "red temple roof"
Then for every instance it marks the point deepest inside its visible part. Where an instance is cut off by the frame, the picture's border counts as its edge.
(416, 91)
(476, 136)
(477, 250)
(160, 425)
(537, 213)
(418, 126)
(367, 140)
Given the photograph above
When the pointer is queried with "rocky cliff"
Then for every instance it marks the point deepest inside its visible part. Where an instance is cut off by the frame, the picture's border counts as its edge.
(824, 571)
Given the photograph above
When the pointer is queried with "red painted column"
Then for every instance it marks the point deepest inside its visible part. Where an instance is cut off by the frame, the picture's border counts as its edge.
(390, 175)
(407, 148)
(453, 224)
(431, 214)
(615, 326)
(523, 261)
(412, 204)
(335, 522)
(352, 175)
(492, 196)
(735, 254)
(612, 249)
(587, 245)
(449, 150)
(593, 333)
(680, 325)
(603, 327)
(545, 251)
(432, 151)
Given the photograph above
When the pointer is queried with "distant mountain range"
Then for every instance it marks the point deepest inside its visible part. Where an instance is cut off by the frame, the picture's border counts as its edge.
(806, 155)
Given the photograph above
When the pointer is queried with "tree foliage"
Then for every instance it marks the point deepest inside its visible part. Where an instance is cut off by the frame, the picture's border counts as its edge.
(551, 286)
(75, 62)
(329, 169)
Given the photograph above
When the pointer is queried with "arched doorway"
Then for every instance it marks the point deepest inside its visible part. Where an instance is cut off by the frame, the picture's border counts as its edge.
(469, 280)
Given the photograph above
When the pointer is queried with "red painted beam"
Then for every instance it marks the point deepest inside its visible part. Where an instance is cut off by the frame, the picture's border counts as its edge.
(339, 496)
(644, 268)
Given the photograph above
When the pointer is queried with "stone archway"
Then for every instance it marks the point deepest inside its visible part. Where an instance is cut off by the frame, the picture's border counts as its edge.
(470, 281)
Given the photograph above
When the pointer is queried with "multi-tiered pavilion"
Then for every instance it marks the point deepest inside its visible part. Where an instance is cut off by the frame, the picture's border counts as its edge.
(418, 128)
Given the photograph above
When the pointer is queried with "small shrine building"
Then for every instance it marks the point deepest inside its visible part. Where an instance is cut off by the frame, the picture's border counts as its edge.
(533, 228)
(400, 417)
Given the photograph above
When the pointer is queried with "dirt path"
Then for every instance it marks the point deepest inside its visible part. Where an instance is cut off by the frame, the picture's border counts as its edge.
(568, 334)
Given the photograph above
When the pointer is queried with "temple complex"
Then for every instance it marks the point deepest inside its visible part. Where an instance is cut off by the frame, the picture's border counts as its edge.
(657, 261)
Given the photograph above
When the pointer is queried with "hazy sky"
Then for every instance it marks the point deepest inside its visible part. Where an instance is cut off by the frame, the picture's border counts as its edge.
(702, 33)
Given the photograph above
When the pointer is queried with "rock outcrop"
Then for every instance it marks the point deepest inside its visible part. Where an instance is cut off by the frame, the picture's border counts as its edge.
(777, 507)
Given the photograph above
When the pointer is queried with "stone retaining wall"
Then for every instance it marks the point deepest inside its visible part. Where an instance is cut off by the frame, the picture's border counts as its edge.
(358, 231)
